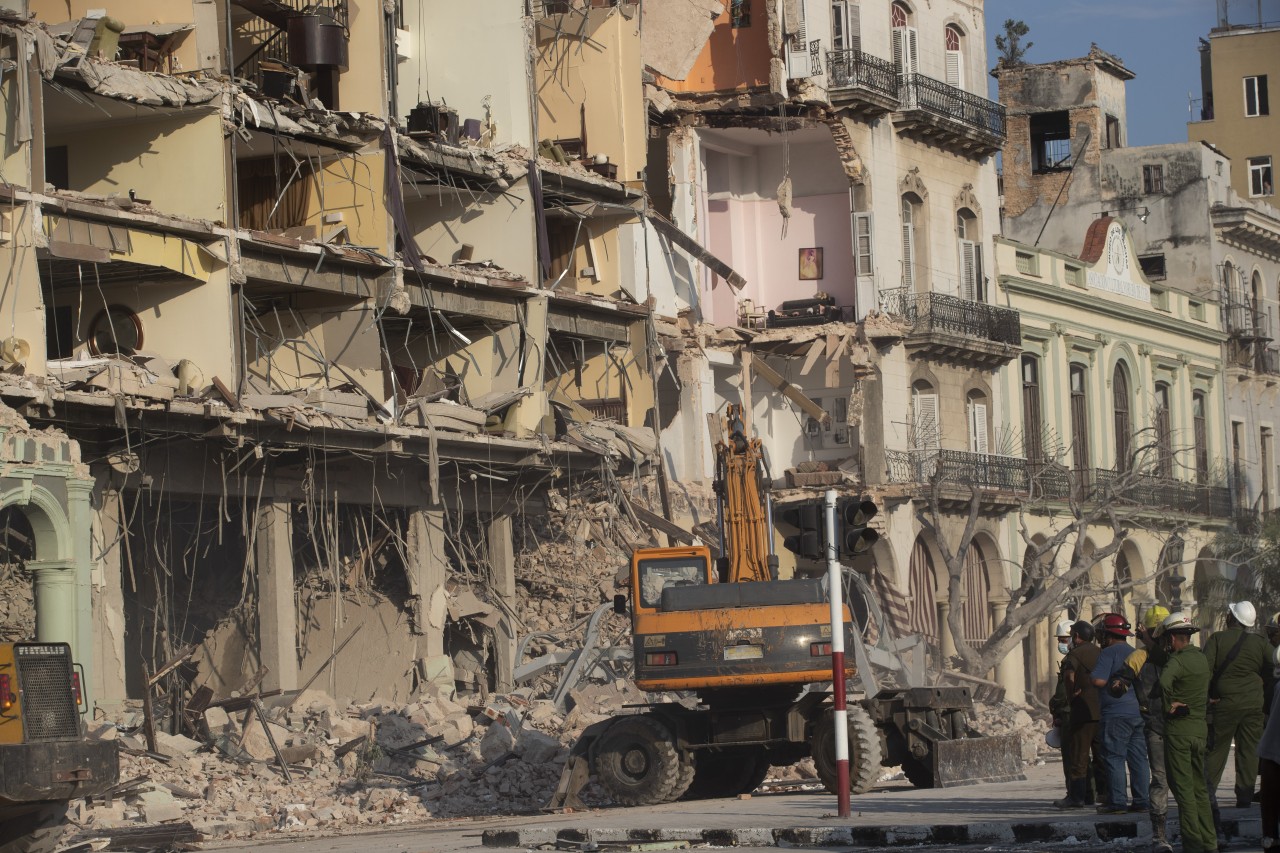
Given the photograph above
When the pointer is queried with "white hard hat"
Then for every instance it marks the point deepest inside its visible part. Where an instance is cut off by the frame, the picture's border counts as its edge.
(1277, 655)
(1053, 738)
(1178, 622)
(1244, 613)
(1064, 628)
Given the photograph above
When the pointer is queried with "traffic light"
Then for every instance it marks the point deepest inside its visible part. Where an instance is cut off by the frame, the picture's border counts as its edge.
(854, 536)
(810, 542)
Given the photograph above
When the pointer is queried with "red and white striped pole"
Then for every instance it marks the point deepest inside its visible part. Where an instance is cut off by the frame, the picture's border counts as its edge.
(836, 595)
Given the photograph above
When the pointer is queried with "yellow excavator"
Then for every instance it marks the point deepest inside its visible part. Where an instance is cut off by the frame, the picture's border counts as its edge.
(751, 652)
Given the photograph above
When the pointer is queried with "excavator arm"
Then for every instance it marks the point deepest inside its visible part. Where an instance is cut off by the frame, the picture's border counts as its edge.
(742, 494)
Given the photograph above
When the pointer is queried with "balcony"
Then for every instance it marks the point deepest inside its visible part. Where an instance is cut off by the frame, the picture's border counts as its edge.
(1132, 490)
(1267, 361)
(1002, 479)
(948, 328)
(1246, 323)
(861, 82)
(940, 114)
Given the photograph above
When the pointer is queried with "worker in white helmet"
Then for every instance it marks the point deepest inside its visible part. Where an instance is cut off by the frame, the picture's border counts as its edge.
(1060, 703)
(1242, 677)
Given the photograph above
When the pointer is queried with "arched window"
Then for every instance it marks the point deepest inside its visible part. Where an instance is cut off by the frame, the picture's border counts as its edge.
(1164, 431)
(1258, 306)
(977, 610)
(1200, 432)
(910, 240)
(1079, 418)
(972, 282)
(1238, 310)
(924, 417)
(921, 592)
(978, 408)
(1123, 420)
(906, 50)
(955, 56)
(1032, 417)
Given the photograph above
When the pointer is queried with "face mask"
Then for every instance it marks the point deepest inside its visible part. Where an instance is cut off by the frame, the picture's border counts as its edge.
(1063, 648)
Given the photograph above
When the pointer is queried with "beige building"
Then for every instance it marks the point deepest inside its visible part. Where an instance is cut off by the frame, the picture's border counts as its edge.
(1239, 64)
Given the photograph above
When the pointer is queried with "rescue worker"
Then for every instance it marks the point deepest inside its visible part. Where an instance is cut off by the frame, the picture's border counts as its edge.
(1184, 688)
(1083, 722)
(1123, 742)
(1060, 702)
(1273, 631)
(1269, 773)
(1241, 681)
(1141, 672)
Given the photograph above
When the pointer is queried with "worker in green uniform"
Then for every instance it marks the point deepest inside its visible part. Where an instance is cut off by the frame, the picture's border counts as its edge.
(1060, 702)
(1242, 678)
(1184, 685)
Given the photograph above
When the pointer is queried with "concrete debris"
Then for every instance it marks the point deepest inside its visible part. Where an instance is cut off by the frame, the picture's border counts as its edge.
(676, 31)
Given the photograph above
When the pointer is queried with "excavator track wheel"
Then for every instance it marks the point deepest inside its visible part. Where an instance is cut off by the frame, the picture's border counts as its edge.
(36, 831)
(864, 751)
(637, 762)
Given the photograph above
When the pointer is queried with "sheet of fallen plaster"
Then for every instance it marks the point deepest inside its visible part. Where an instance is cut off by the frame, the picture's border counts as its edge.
(13, 166)
(156, 158)
(362, 85)
(675, 32)
(352, 187)
(134, 12)
(351, 339)
(610, 375)
(445, 65)
(748, 45)
(490, 363)
(498, 224)
(378, 663)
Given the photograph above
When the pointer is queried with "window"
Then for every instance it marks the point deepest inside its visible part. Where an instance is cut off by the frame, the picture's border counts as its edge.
(906, 53)
(1164, 431)
(863, 245)
(658, 574)
(740, 13)
(972, 282)
(978, 440)
(1255, 96)
(1260, 176)
(845, 26)
(1073, 275)
(117, 330)
(1152, 267)
(1159, 299)
(1200, 436)
(924, 402)
(1122, 420)
(955, 56)
(910, 209)
(1079, 419)
(1264, 459)
(57, 167)
(976, 616)
(1113, 132)
(1196, 310)
(1027, 263)
(1152, 179)
(1032, 420)
(1050, 142)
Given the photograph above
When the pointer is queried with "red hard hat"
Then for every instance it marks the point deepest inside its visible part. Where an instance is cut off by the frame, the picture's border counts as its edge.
(1114, 623)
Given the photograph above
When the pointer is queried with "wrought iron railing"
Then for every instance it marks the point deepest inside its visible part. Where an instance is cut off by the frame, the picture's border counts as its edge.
(983, 470)
(853, 69)
(1130, 489)
(1267, 360)
(1244, 321)
(941, 312)
(272, 42)
(918, 92)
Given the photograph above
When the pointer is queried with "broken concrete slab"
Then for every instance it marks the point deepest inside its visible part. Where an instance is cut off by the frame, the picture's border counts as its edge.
(175, 746)
(675, 33)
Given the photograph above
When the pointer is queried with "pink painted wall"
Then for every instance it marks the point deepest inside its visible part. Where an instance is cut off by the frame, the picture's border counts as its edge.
(748, 236)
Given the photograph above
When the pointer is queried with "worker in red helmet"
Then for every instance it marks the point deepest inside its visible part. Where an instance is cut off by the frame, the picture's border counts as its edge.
(1123, 739)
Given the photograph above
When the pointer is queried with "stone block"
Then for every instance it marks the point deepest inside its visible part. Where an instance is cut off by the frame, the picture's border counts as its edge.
(534, 747)
(497, 741)
(175, 746)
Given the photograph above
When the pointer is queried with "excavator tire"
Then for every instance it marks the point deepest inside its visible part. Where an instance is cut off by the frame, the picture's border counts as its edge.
(864, 751)
(636, 761)
(727, 774)
(37, 831)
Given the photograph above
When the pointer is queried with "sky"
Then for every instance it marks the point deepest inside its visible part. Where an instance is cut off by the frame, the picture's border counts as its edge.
(1157, 39)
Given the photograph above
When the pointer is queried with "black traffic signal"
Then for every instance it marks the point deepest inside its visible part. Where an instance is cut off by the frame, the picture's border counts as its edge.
(854, 536)
(810, 542)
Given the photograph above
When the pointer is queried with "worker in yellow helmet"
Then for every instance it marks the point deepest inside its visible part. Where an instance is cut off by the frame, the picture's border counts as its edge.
(1141, 673)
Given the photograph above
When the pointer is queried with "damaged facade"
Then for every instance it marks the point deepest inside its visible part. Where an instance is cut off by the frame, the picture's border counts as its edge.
(292, 425)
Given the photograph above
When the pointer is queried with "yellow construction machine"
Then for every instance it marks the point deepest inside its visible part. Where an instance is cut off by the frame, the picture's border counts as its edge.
(752, 653)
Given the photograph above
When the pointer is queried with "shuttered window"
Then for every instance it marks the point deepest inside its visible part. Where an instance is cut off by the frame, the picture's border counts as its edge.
(908, 243)
(1079, 420)
(1032, 419)
(977, 609)
(921, 595)
(906, 50)
(863, 244)
(978, 426)
(1200, 435)
(845, 26)
(927, 435)
(955, 57)
(1123, 419)
(1164, 431)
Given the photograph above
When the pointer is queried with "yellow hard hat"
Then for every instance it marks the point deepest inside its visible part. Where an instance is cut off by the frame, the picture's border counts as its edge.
(1155, 616)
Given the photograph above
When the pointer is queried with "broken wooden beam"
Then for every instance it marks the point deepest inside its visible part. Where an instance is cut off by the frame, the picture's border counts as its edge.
(791, 392)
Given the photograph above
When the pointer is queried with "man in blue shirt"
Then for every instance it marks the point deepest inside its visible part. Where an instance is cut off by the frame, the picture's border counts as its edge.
(1123, 741)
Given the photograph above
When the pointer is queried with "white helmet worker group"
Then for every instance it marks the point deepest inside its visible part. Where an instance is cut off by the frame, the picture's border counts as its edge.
(1159, 620)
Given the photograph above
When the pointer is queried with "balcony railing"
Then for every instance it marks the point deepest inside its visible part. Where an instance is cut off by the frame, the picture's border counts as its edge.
(1267, 360)
(941, 312)
(853, 69)
(918, 92)
(1244, 322)
(983, 470)
(1136, 490)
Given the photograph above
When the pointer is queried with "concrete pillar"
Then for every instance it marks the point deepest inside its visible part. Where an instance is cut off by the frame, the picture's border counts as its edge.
(428, 571)
(108, 600)
(80, 519)
(945, 640)
(55, 594)
(277, 613)
(502, 567)
(1009, 669)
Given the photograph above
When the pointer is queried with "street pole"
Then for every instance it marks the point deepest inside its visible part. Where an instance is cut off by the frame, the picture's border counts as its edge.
(836, 595)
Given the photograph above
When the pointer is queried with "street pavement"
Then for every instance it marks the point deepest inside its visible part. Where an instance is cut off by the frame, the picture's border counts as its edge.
(990, 817)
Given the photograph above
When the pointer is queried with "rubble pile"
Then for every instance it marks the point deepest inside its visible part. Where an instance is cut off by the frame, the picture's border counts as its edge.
(17, 603)
(1006, 718)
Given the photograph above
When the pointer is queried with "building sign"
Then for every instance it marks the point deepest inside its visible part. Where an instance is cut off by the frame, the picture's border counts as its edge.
(1119, 277)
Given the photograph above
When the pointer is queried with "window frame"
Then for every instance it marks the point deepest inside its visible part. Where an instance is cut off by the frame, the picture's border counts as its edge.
(1153, 179)
(1263, 185)
(1258, 94)
(1032, 409)
(1079, 412)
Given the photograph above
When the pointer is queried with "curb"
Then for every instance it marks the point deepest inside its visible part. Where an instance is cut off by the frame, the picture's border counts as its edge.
(846, 836)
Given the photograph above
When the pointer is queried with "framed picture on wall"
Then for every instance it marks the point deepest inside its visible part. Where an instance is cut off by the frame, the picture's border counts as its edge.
(810, 264)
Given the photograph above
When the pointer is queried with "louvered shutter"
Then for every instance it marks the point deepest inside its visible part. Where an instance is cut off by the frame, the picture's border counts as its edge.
(798, 44)
(978, 428)
(926, 417)
(899, 37)
(968, 270)
(911, 54)
(955, 72)
(864, 263)
(908, 255)
(853, 35)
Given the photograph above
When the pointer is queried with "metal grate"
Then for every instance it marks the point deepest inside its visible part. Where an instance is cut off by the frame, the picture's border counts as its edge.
(48, 704)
